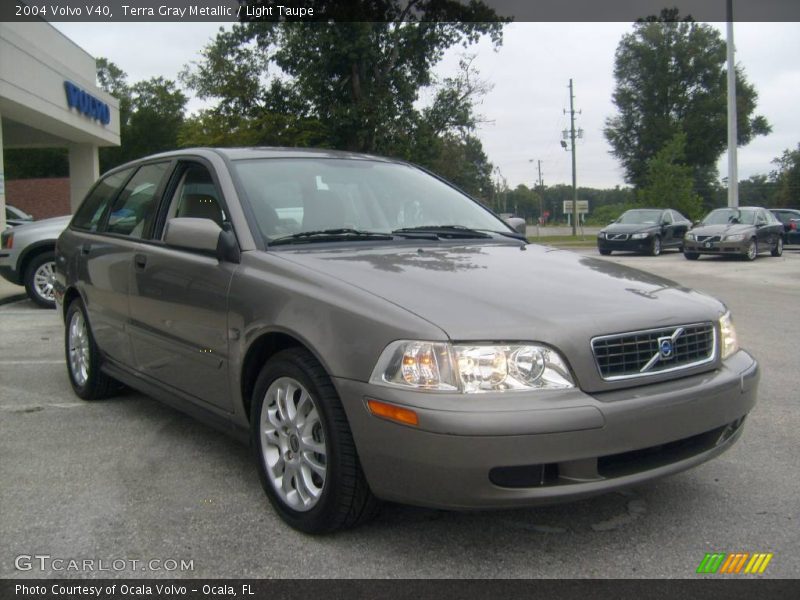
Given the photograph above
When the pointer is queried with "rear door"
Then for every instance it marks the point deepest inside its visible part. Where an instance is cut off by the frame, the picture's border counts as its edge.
(100, 267)
(178, 297)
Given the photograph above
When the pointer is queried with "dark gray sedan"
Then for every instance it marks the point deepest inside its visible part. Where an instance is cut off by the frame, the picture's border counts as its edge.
(363, 325)
(745, 231)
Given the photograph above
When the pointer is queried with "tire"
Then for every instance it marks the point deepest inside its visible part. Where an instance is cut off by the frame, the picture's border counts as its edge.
(83, 357)
(327, 490)
(778, 249)
(604, 252)
(752, 250)
(691, 255)
(39, 279)
(655, 246)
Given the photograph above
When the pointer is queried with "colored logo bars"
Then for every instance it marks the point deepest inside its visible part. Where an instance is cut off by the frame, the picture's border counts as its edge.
(737, 562)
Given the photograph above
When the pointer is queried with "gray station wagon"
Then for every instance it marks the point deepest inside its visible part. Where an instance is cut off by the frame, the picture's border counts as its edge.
(374, 333)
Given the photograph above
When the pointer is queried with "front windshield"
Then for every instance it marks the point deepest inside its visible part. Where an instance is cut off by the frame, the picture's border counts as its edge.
(724, 216)
(640, 217)
(291, 196)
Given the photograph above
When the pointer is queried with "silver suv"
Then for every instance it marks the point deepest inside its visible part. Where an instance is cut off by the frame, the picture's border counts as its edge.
(27, 257)
(364, 326)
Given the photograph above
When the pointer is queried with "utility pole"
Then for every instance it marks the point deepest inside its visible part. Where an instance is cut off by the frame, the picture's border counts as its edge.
(572, 133)
(574, 175)
(733, 175)
(541, 195)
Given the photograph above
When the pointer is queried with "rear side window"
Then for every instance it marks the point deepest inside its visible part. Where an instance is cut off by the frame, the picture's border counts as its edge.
(90, 213)
(134, 209)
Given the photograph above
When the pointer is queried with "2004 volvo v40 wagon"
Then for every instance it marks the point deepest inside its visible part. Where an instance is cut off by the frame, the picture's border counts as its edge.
(364, 325)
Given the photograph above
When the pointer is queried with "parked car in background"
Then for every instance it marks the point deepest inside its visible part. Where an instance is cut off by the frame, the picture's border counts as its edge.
(15, 216)
(27, 255)
(645, 230)
(745, 231)
(790, 218)
(369, 346)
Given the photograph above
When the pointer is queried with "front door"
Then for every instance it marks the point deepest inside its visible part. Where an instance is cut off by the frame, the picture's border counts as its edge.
(179, 300)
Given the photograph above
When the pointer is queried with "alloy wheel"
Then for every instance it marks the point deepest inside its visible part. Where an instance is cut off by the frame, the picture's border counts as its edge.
(78, 349)
(293, 444)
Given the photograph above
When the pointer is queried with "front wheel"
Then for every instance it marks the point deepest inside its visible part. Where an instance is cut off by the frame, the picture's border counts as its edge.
(307, 459)
(655, 246)
(39, 277)
(691, 255)
(83, 357)
(752, 250)
(604, 252)
(778, 249)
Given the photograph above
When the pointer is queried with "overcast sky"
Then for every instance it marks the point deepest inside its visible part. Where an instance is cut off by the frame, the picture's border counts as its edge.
(530, 74)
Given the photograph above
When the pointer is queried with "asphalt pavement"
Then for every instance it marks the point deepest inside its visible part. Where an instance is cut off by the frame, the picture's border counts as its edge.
(129, 479)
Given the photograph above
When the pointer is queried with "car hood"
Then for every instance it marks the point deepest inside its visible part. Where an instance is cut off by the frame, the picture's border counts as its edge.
(512, 292)
(724, 229)
(630, 227)
(44, 226)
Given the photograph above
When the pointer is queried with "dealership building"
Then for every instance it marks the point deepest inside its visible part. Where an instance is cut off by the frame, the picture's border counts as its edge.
(49, 99)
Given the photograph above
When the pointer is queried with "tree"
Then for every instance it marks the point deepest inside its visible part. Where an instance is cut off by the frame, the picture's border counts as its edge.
(352, 83)
(151, 114)
(787, 178)
(671, 78)
(668, 181)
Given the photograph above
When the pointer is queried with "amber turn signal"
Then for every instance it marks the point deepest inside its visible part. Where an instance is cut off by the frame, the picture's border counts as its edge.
(393, 413)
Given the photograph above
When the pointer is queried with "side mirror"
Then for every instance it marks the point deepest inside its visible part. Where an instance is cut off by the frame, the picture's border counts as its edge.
(202, 235)
(517, 224)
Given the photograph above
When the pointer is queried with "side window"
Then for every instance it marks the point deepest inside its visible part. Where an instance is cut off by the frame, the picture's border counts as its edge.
(761, 218)
(667, 217)
(135, 207)
(196, 196)
(91, 211)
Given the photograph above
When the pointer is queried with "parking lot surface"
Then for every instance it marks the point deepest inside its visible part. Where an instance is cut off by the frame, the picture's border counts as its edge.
(130, 479)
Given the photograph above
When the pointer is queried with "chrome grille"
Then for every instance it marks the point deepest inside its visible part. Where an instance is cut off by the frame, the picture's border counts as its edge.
(653, 351)
(709, 238)
(617, 237)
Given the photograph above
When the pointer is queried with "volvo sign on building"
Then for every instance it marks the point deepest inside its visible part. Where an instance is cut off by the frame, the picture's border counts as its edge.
(49, 99)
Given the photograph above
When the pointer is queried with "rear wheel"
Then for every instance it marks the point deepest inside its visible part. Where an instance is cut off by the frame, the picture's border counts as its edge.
(307, 459)
(752, 250)
(778, 249)
(83, 357)
(39, 277)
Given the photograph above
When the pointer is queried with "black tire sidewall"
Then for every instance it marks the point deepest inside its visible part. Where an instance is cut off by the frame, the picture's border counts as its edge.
(322, 517)
(30, 271)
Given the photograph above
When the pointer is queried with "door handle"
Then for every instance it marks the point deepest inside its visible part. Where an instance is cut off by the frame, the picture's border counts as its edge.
(140, 261)
(86, 248)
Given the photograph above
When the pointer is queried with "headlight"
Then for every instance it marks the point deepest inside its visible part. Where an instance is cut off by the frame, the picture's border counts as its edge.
(734, 237)
(639, 236)
(471, 368)
(601, 235)
(690, 237)
(730, 343)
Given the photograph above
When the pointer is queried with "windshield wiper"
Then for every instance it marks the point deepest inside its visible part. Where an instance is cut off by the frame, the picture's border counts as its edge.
(329, 235)
(444, 231)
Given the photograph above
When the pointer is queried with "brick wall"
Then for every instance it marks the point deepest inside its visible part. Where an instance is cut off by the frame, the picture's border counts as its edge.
(41, 198)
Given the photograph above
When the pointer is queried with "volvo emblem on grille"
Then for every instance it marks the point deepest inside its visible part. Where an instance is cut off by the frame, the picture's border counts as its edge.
(666, 349)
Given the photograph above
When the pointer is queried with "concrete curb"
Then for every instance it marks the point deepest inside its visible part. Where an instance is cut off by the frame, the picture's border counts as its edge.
(10, 299)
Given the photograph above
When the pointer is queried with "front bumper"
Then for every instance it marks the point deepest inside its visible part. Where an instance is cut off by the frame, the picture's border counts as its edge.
(731, 248)
(7, 271)
(561, 446)
(629, 245)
